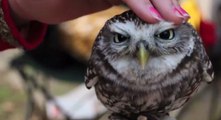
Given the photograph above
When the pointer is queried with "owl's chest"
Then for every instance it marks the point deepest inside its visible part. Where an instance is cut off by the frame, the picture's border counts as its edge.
(122, 100)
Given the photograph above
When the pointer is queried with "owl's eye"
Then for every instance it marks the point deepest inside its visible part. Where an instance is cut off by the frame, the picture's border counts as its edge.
(119, 38)
(166, 35)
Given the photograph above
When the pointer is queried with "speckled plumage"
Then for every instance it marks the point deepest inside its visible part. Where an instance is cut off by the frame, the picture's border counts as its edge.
(172, 73)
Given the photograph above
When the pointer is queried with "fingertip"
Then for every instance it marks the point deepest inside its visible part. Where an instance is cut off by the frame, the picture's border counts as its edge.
(150, 20)
(170, 12)
(144, 10)
(177, 21)
(175, 18)
(148, 17)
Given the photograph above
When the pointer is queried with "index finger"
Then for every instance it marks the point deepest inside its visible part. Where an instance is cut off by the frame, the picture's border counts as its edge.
(168, 10)
(145, 10)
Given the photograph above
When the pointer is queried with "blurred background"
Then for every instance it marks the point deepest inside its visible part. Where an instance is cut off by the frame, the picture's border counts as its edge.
(47, 83)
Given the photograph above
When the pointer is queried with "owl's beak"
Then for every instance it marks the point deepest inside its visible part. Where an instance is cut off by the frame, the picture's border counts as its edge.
(143, 55)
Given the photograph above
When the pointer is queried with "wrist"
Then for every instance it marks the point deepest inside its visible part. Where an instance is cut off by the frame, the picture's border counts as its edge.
(19, 17)
(28, 36)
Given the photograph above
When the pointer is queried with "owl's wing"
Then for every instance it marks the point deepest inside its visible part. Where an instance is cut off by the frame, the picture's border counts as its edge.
(91, 77)
(208, 73)
(206, 65)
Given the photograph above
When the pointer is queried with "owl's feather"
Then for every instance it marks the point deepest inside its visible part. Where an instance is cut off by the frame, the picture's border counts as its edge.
(174, 70)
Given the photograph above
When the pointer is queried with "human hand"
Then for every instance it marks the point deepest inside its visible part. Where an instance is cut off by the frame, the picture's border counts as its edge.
(156, 10)
(56, 11)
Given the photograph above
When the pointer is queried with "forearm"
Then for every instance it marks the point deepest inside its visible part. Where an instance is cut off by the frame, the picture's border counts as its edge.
(19, 28)
(56, 11)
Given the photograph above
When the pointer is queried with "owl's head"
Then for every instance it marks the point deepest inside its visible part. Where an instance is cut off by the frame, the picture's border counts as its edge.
(134, 47)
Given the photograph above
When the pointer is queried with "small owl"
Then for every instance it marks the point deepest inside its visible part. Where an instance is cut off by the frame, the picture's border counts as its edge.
(140, 69)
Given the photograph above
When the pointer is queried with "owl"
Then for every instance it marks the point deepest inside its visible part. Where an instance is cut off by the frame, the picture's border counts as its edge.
(142, 70)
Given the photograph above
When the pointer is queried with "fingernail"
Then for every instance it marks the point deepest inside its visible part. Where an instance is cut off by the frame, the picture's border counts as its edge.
(177, 12)
(182, 12)
(155, 13)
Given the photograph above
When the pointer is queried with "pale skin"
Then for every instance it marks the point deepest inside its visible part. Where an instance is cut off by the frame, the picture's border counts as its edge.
(57, 11)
